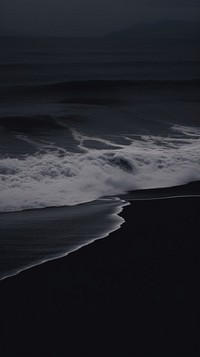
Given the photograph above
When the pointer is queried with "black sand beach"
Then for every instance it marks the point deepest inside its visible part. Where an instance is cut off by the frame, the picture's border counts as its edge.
(134, 293)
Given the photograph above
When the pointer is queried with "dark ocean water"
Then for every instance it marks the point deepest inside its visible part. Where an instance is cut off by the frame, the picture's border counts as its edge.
(83, 121)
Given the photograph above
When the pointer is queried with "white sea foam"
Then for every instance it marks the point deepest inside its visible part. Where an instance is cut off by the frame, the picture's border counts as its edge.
(70, 236)
(56, 178)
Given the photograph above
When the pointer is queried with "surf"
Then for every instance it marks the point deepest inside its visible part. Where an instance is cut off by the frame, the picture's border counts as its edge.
(54, 176)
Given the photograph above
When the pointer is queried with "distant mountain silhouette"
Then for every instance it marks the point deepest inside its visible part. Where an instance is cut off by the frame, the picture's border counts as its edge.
(162, 29)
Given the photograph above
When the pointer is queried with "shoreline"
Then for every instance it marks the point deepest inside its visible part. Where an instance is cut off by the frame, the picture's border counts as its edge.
(190, 189)
(134, 293)
(40, 236)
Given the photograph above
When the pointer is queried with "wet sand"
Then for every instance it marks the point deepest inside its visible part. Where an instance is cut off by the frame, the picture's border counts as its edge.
(134, 293)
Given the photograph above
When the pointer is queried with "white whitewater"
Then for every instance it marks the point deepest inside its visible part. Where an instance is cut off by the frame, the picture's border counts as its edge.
(56, 177)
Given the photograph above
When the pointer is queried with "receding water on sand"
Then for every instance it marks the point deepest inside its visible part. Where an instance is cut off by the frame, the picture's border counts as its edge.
(32, 237)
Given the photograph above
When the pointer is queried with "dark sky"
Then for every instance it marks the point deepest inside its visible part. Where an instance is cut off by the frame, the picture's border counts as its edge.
(88, 17)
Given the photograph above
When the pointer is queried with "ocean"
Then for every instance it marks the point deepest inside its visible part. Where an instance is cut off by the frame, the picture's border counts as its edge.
(83, 122)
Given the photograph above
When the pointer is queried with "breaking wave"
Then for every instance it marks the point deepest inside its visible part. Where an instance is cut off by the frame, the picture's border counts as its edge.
(57, 177)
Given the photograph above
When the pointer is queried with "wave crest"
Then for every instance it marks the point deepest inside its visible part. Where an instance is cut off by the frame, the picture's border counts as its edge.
(53, 179)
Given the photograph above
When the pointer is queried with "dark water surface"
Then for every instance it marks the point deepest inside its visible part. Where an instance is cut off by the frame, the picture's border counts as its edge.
(85, 119)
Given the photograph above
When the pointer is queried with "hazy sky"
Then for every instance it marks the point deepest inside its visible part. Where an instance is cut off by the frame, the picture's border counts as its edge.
(88, 17)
